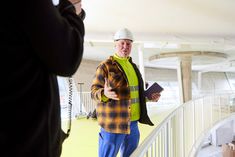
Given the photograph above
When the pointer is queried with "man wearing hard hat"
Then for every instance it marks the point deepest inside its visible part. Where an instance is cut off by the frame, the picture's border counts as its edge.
(119, 90)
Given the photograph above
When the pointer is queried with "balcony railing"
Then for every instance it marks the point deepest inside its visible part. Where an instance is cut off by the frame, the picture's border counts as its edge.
(181, 133)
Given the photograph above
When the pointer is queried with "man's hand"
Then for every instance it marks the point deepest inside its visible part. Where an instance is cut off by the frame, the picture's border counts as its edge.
(108, 91)
(155, 97)
(78, 5)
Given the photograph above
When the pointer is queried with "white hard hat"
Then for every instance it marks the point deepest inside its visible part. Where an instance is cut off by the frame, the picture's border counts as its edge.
(123, 33)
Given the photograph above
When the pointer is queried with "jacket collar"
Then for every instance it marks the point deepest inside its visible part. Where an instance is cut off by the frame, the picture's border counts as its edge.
(114, 61)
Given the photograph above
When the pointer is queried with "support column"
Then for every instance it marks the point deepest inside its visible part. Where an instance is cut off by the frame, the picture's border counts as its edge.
(199, 80)
(141, 63)
(184, 73)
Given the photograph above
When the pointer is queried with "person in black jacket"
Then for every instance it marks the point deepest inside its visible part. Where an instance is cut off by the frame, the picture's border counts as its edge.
(38, 41)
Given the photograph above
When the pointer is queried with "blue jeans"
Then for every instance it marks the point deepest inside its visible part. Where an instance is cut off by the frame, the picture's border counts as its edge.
(110, 143)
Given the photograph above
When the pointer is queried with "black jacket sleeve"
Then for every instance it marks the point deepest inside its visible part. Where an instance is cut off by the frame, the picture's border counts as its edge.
(56, 34)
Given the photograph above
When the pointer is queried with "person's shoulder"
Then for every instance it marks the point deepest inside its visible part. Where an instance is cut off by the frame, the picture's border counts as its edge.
(107, 61)
(104, 63)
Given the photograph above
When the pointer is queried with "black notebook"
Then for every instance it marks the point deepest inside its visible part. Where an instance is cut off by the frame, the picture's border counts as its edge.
(155, 88)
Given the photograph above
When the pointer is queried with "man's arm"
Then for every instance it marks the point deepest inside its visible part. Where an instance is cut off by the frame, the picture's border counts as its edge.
(97, 87)
(56, 38)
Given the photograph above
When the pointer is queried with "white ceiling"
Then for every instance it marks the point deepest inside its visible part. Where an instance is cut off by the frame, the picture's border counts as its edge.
(164, 26)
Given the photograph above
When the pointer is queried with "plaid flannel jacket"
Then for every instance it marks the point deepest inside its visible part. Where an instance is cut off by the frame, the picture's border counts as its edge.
(114, 115)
